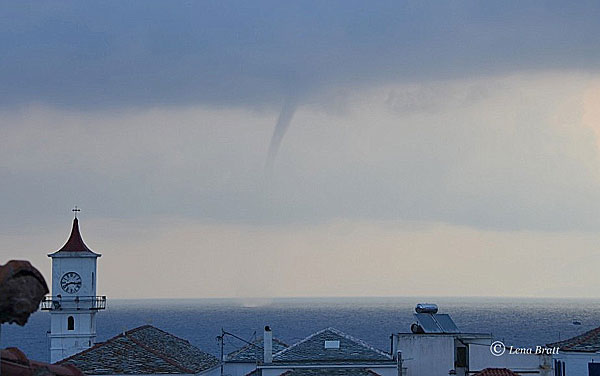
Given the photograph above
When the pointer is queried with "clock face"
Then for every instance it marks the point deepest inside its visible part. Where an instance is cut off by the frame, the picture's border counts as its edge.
(70, 282)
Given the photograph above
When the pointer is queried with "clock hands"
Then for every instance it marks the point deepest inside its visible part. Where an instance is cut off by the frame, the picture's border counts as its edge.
(71, 282)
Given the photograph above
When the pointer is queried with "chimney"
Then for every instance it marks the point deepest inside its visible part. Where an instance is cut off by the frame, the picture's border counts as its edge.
(268, 345)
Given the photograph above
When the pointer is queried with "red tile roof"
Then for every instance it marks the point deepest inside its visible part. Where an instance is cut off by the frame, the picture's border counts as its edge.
(496, 372)
(586, 342)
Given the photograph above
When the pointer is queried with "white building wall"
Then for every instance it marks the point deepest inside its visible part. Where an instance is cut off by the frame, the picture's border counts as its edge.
(146, 374)
(65, 342)
(383, 371)
(426, 355)
(274, 371)
(576, 363)
(84, 266)
(387, 371)
(211, 372)
(480, 357)
(238, 369)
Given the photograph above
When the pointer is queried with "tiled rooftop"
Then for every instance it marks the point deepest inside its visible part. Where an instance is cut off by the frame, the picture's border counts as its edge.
(254, 353)
(586, 342)
(496, 372)
(144, 350)
(312, 350)
(323, 372)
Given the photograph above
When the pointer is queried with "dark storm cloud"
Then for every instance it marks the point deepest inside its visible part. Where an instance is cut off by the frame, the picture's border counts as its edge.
(111, 54)
(454, 139)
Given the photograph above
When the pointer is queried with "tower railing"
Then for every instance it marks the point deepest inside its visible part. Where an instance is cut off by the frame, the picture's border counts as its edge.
(57, 303)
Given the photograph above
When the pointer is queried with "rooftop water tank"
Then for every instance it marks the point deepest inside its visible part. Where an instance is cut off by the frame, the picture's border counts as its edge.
(426, 308)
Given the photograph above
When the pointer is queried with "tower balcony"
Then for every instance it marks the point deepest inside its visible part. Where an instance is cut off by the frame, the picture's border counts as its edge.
(79, 303)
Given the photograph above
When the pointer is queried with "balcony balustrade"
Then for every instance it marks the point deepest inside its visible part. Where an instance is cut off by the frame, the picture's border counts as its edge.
(57, 303)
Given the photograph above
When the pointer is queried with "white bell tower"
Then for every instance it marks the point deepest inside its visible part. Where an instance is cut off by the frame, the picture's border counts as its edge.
(73, 304)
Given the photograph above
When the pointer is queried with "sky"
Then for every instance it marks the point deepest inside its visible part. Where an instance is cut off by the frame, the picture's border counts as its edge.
(278, 149)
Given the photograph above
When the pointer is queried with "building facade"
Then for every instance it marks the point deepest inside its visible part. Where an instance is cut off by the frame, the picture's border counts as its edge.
(437, 347)
(578, 356)
(73, 304)
(326, 352)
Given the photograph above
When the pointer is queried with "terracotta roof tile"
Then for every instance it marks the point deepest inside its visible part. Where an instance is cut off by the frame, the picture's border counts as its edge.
(496, 372)
(586, 342)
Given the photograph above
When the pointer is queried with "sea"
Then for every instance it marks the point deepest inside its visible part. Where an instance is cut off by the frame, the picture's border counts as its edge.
(518, 322)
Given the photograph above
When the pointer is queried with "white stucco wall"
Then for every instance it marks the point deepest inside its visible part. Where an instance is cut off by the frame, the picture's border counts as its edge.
(238, 369)
(480, 357)
(385, 371)
(576, 363)
(211, 372)
(64, 342)
(273, 371)
(84, 266)
(426, 355)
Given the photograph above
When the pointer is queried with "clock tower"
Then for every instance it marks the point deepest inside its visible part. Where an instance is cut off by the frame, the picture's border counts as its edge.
(74, 303)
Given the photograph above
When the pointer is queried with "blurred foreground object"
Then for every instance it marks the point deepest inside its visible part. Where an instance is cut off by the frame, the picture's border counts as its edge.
(22, 288)
(15, 363)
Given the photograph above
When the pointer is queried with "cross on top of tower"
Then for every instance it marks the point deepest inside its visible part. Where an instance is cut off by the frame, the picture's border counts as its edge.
(75, 210)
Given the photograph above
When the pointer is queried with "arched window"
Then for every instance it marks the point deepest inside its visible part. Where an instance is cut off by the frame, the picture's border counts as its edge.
(70, 323)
